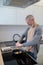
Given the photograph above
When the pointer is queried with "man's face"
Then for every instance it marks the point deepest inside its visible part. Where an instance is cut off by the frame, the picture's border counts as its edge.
(30, 22)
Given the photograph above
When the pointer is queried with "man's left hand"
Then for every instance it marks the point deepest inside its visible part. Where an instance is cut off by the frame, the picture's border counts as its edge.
(18, 44)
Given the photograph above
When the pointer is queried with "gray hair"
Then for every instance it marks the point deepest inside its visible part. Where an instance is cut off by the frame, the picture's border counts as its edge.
(30, 17)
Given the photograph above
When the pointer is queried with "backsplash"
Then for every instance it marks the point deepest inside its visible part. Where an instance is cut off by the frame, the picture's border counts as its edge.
(7, 31)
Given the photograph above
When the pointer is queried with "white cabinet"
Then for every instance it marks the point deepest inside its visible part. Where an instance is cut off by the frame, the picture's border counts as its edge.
(12, 16)
(16, 16)
(7, 16)
(20, 17)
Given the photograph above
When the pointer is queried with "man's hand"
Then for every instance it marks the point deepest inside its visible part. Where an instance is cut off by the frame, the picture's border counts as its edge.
(29, 48)
(18, 44)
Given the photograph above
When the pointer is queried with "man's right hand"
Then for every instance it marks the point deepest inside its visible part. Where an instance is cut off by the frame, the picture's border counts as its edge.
(29, 48)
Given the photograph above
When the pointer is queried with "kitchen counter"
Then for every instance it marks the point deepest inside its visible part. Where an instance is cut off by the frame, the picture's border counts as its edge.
(7, 43)
(11, 43)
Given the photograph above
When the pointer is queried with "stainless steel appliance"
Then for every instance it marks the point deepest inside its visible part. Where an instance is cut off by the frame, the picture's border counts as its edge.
(19, 3)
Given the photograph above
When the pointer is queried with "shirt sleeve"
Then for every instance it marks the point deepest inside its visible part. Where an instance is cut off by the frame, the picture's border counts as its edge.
(35, 39)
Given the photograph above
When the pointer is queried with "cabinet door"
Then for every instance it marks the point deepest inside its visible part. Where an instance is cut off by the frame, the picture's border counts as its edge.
(8, 15)
(20, 16)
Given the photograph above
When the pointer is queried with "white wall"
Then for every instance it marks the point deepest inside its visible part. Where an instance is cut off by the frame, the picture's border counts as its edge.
(40, 55)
